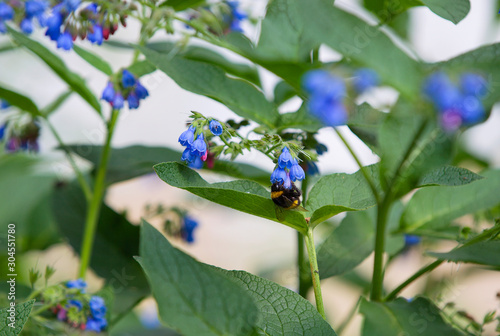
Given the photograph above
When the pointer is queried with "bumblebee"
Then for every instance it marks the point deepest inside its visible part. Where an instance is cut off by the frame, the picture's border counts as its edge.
(288, 199)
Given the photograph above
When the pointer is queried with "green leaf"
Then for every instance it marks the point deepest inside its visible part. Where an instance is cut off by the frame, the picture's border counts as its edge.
(451, 10)
(354, 240)
(94, 60)
(448, 176)
(142, 68)
(192, 297)
(117, 267)
(365, 123)
(211, 81)
(301, 119)
(339, 192)
(241, 195)
(360, 42)
(436, 207)
(483, 253)
(410, 147)
(54, 105)
(282, 92)
(180, 5)
(283, 311)
(133, 161)
(419, 317)
(13, 325)
(16, 99)
(57, 65)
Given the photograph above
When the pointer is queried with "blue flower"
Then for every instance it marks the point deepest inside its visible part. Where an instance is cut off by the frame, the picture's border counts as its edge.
(196, 162)
(53, 23)
(35, 8)
(26, 26)
(96, 324)
(3, 27)
(279, 175)
(71, 5)
(472, 110)
(96, 36)
(329, 112)
(141, 91)
(236, 16)
(215, 127)
(187, 155)
(296, 171)
(365, 79)
(97, 307)
(76, 303)
(473, 85)
(285, 158)
(188, 226)
(312, 168)
(2, 131)
(128, 80)
(187, 137)
(65, 41)
(79, 284)
(118, 101)
(133, 101)
(4, 104)
(6, 12)
(199, 145)
(108, 94)
(321, 149)
(411, 240)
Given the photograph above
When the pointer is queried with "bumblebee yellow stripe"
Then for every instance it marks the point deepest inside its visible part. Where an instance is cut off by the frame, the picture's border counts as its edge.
(294, 205)
(276, 194)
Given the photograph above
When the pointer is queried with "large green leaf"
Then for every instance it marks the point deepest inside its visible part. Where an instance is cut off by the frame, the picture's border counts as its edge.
(448, 176)
(283, 311)
(180, 5)
(116, 243)
(365, 123)
(484, 253)
(339, 192)
(242, 195)
(13, 325)
(354, 240)
(400, 317)
(192, 297)
(16, 99)
(94, 60)
(57, 65)
(451, 10)
(211, 81)
(133, 161)
(435, 207)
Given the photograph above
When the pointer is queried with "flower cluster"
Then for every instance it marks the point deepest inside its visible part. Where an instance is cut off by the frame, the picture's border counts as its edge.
(79, 309)
(22, 139)
(457, 105)
(63, 25)
(287, 170)
(196, 151)
(365, 79)
(126, 88)
(326, 94)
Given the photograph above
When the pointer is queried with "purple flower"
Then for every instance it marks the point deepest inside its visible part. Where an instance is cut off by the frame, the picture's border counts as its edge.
(65, 41)
(187, 137)
(62, 314)
(95, 36)
(128, 80)
(215, 127)
(141, 91)
(365, 79)
(285, 158)
(296, 171)
(108, 94)
(117, 101)
(133, 101)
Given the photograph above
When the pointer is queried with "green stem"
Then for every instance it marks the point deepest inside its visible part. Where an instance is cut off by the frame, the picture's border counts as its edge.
(303, 276)
(313, 262)
(81, 179)
(95, 204)
(360, 165)
(378, 263)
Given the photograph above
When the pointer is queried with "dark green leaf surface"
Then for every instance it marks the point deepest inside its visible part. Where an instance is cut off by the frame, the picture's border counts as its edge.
(22, 313)
(283, 312)
(141, 68)
(130, 162)
(116, 243)
(451, 10)
(94, 60)
(211, 81)
(57, 65)
(483, 253)
(336, 193)
(193, 298)
(242, 195)
(448, 176)
(400, 317)
(301, 119)
(16, 99)
(435, 207)
(365, 123)
(180, 5)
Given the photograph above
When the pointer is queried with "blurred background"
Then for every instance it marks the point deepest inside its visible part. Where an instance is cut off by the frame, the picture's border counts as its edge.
(227, 238)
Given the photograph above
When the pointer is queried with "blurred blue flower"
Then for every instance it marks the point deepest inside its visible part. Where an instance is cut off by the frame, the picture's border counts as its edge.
(189, 224)
(365, 79)
(79, 284)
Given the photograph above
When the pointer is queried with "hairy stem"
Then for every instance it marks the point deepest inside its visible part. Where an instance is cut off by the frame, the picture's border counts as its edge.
(303, 274)
(313, 262)
(95, 203)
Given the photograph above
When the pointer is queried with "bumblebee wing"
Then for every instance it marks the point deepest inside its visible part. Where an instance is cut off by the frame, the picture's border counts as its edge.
(280, 213)
(299, 208)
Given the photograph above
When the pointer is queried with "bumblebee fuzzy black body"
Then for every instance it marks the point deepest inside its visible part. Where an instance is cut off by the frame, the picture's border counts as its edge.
(285, 198)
